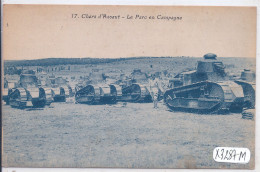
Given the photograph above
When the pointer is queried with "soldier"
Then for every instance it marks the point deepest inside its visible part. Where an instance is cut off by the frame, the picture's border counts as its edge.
(154, 90)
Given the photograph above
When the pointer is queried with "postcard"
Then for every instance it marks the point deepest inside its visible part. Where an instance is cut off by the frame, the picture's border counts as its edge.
(110, 86)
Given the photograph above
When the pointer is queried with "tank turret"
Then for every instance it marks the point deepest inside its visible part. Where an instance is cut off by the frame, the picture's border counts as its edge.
(208, 69)
(248, 75)
(210, 56)
(28, 79)
(97, 76)
(137, 76)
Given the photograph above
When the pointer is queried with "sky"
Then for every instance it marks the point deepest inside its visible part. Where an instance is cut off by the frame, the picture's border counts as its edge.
(44, 31)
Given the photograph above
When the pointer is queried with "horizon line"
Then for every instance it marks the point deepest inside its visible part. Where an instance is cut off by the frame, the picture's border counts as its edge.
(121, 57)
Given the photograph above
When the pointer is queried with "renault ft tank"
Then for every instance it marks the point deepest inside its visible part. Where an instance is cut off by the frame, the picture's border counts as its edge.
(134, 89)
(96, 91)
(206, 89)
(137, 88)
(247, 81)
(9, 87)
(82, 82)
(60, 88)
(28, 93)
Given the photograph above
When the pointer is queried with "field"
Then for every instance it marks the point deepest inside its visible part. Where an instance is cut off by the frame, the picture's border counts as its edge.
(135, 136)
(131, 135)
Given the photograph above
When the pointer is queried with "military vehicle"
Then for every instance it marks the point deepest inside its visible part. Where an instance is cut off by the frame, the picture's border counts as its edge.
(60, 88)
(9, 87)
(247, 81)
(207, 89)
(248, 75)
(134, 89)
(95, 90)
(82, 82)
(29, 93)
(137, 88)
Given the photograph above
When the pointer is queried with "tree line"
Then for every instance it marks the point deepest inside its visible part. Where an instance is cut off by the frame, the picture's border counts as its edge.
(67, 61)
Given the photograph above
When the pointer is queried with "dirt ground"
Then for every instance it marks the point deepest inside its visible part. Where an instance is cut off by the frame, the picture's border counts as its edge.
(129, 136)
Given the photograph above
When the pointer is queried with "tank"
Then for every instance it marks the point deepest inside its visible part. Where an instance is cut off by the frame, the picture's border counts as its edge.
(248, 76)
(207, 89)
(137, 88)
(81, 84)
(95, 90)
(60, 88)
(28, 92)
(247, 81)
(9, 87)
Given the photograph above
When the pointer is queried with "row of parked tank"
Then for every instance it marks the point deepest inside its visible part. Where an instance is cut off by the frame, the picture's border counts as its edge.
(30, 91)
(33, 91)
(207, 89)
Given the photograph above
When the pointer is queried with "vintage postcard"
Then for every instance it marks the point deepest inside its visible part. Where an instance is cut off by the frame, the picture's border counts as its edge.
(128, 86)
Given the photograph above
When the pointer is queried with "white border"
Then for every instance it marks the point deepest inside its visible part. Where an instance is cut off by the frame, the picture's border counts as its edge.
(157, 2)
(140, 2)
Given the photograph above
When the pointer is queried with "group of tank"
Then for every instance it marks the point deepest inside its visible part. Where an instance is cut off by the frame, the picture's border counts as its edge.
(99, 90)
(29, 91)
(33, 91)
(207, 89)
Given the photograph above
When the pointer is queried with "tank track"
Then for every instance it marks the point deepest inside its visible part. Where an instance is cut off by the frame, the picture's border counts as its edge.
(18, 98)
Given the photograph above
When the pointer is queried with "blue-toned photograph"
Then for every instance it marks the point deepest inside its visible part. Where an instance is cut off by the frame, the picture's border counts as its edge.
(129, 87)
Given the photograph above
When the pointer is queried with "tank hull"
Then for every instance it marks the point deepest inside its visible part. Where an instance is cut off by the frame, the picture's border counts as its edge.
(97, 94)
(136, 93)
(60, 94)
(206, 97)
(29, 98)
